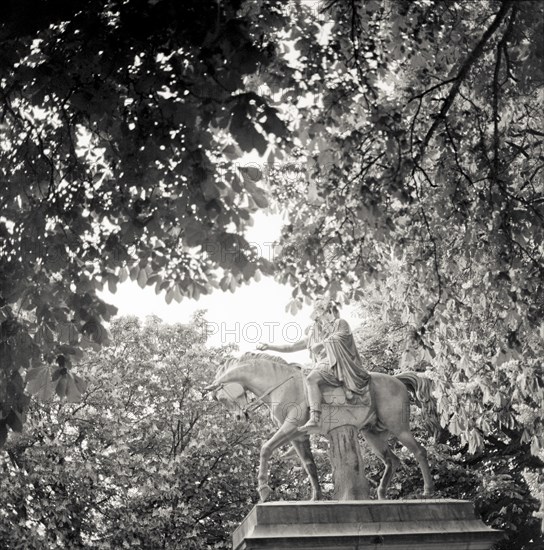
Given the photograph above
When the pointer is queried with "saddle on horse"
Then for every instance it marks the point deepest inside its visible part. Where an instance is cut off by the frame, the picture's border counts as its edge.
(341, 407)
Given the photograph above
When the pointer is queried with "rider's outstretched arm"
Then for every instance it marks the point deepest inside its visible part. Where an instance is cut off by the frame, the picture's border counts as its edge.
(284, 348)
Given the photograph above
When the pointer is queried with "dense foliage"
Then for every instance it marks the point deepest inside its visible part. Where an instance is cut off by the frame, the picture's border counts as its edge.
(143, 461)
(501, 476)
(420, 148)
(416, 126)
(119, 122)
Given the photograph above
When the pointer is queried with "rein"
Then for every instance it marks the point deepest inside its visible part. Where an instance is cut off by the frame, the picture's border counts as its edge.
(259, 401)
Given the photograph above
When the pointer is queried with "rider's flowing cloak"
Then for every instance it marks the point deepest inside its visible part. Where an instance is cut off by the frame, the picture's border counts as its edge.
(344, 358)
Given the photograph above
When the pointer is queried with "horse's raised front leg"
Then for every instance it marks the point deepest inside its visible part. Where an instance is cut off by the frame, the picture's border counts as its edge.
(285, 433)
(304, 451)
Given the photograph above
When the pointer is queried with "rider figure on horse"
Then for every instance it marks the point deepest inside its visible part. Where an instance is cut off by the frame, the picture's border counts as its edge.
(335, 359)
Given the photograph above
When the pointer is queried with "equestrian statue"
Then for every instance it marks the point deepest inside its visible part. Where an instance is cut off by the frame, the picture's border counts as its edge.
(337, 398)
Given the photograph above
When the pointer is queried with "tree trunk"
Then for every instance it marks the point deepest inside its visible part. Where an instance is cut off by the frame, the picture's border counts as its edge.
(348, 471)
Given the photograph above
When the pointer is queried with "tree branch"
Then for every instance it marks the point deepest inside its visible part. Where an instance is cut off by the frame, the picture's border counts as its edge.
(496, 91)
(463, 71)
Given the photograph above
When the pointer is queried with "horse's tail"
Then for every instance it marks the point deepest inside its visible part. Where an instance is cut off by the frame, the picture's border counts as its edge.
(420, 388)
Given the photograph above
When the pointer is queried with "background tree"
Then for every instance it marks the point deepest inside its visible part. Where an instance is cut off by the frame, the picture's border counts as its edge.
(499, 474)
(143, 460)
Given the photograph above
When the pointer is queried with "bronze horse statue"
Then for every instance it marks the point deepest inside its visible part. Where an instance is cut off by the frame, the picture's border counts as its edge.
(280, 385)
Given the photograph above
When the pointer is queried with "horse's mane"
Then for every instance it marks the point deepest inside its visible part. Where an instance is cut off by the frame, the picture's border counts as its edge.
(261, 355)
(252, 356)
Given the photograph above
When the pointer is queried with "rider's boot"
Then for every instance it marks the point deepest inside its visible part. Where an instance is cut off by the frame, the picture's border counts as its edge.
(314, 422)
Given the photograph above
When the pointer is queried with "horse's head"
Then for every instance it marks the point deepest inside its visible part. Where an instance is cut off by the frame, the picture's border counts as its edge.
(232, 379)
(232, 395)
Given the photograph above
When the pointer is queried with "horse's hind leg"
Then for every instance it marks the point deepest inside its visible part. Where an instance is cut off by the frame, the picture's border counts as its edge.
(409, 441)
(304, 451)
(379, 444)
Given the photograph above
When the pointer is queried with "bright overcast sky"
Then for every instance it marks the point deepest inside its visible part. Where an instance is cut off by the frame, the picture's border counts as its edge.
(253, 313)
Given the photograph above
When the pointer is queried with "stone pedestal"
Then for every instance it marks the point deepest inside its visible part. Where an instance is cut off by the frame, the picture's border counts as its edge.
(354, 525)
(348, 470)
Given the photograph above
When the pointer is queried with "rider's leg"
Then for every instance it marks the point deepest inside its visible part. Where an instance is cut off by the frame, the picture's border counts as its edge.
(313, 380)
(314, 391)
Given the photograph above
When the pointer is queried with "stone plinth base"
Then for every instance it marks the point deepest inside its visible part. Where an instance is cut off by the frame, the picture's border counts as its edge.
(354, 525)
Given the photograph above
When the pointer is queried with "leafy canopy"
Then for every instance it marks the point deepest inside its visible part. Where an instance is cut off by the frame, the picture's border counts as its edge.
(119, 122)
(420, 131)
(417, 123)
